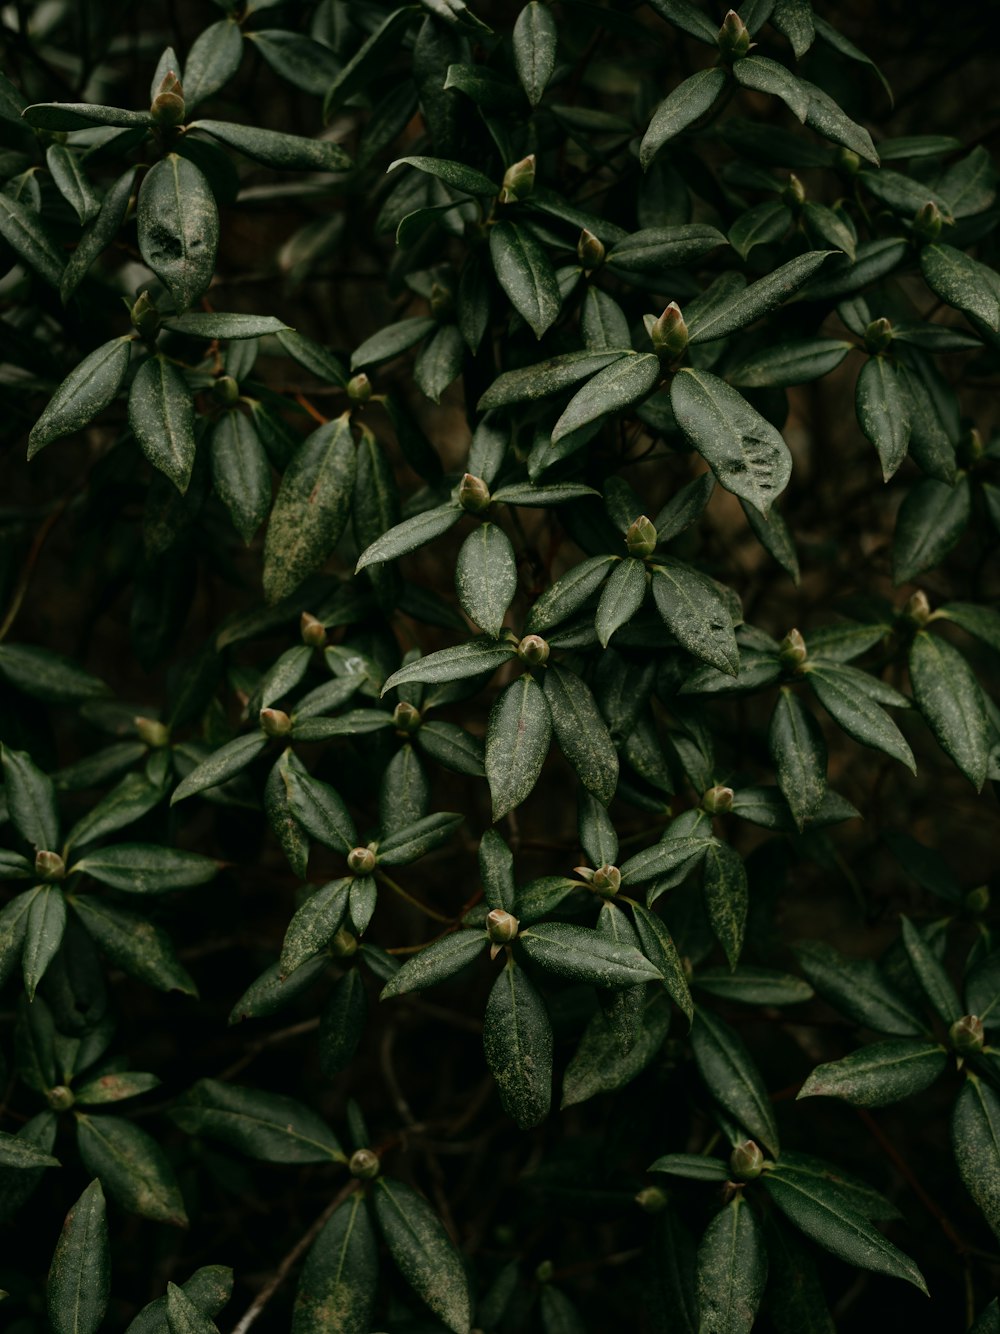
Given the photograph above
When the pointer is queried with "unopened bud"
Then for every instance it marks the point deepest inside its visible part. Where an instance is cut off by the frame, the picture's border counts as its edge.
(651, 1200)
(793, 651)
(359, 388)
(344, 944)
(442, 302)
(275, 722)
(501, 926)
(518, 180)
(966, 1034)
(970, 448)
(168, 104)
(746, 1161)
(977, 900)
(669, 333)
(361, 861)
(145, 317)
(545, 1272)
(641, 539)
(406, 717)
(60, 1098)
(607, 881)
(49, 866)
(928, 222)
(152, 732)
(473, 494)
(718, 800)
(849, 161)
(533, 650)
(917, 608)
(733, 38)
(312, 630)
(794, 193)
(590, 249)
(226, 391)
(364, 1164)
(878, 336)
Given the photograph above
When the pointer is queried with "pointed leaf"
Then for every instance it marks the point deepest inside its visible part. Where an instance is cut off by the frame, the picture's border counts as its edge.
(626, 381)
(858, 715)
(435, 962)
(732, 1077)
(486, 577)
(732, 1270)
(132, 1167)
(263, 1125)
(517, 742)
(178, 226)
(697, 614)
(799, 753)
(951, 701)
(525, 273)
(161, 415)
(688, 101)
(423, 1252)
(975, 1140)
(339, 1281)
(879, 1074)
(582, 954)
(517, 1038)
(79, 1281)
(883, 412)
(581, 732)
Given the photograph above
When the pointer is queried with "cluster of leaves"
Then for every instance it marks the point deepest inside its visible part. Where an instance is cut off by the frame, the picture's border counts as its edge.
(592, 252)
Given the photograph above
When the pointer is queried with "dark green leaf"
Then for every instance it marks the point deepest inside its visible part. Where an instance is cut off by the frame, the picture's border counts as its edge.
(260, 1124)
(534, 49)
(525, 273)
(962, 282)
(273, 149)
(314, 925)
(486, 577)
(31, 800)
(27, 236)
(732, 1078)
(755, 301)
(695, 611)
(43, 934)
(858, 989)
(339, 1281)
(931, 520)
(178, 226)
(85, 392)
(454, 174)
(732, 1269)
(475, 658)
(799, 753)
(79, 1281)
(517, 742)
(975, 1140)
(585, 956)
(726, 897)
(161, 415)
(410, 534)
(547, 377)
(858, 714)
(951, 701)
(517, 1037)
(212, 61)
(435, 962)
(686, 104)
(626, 381)
(879, 1074)
(423, 1252)
(580, 731)
(131, 1166)
(139, 947)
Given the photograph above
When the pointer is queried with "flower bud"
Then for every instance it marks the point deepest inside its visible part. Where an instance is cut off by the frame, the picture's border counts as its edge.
(359, 388)
(442, 302)
(501, 926)
(606, 881)
(545, 1271)
(794, 193)
(590, 250)
(226, 391)
(793, 651)
(473, 494)
(733, 38)
(966, 1034)
(977, 900)
(928, 222)
(917, 608)
(60, 1098)
(168, 103)
(518, 180)
(406, 717)
(364, 1164)
(970, 448)
(746, 1161)
(651, 1199)
(640, 539)
(275, 722)
(849, 161)
(49, 866)
(344, 944)
(533, 650)
(361, 861)
(878, 336)
(152, 732)
(718, 800)
(145, 317)
(669, 333)
(312, 630)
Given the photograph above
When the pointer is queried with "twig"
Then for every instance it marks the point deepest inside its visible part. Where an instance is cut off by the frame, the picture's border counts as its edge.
(410, 898)
(272, 1040)
(29, 565)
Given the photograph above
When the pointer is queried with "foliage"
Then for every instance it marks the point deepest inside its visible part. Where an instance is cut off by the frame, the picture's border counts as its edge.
(448, 480)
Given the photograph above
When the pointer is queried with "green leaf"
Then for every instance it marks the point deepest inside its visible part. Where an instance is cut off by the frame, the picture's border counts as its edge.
(727, 897)
(982, 622)
(697, 614)
(584, 955)
(858, 989)
(799, 753)
(755, 301)
(43, 934)
(732, 1266)
(486, 577)
(517, 1038)
(313, 356)
(314, 925)
(132, 1167)
(212, 61)
(600, 1066)
(689, 101)
(580, 730)
(178, 227)
(342, 1023)
(517, 742)
(437, 961)
(98, 235)
(767, 76)
(477, 657)
(962, 282)
(86, 391)
(27, 236)
(290, 152)
(754, 986)
(691, 1166)
(852, 1191)
(408, 844)
(855, 712)
(951, 701)
(818, 1209)
(784, 364)
(547, 377)
(525, 273)
(339, 1281)
(732, 1078)
(183, 1317)
(318, 807)
(161, 416)
(456, 175)
(662, 858)
(659, 948)
(79, 1282)
(209, 1288)
(21, 1153)
(410, 534)
(263, 1125)
(765, 223)
(72, 182)
(139, 947)
(241, 473)
(311, 508)
(883, 412)
(533, 496)
(656, 248)
(745, 452)
(569, 593)
(829, 120)
(221, 765)
(31, 800)
(534, 40)
(423, 1252)
(392, 340)
(216, 324)
(439, 361)
(626, 381)
(453, 747)
(975, 1140)
(114, 1088)
(931, 520)
(622, 596)
(685, 508)
(934, 981)
(131, 799)
(879, 1074)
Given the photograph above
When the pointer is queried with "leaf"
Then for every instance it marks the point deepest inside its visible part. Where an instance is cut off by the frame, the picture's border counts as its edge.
(86, 392)
(410, 534)
(858, 715)
(546, 377)
(72, 182)
(753, 986)
(584, 955)
(486, 577)
(726, 897)
(311, 508)
(141, 868)
(178, 227)
(27, 236)
(132, 1167)
(43, 934)
(161, 416)
(829, 120)
(209, 1289)
(600, 1066)
(580, 730)
(933, 979)
(685, 508)
(413, 841)
(241, 473)
(659, 948)
(139, 947)
(541, 497)
(732, 1078)
(931, 520)
(761, 225)
(975, 1140)
(753, 302)
(662, 858)
(423, 1252)
(212, 61)
(517, 1038)
(654, 249)
(342, 1023)
(622, 596)
(691, 1166)
(435, 962)
(131, 799)
(339, 1281)
(456, 175)
(883, 412)
(982, 622)
(879, 1074)
(534, 40)
(318, 807)
(474, 658)
(183, 1317)
(221, 765)
(962, 282)
(114, 1088)
(626, 381)
(263, 1125)
(31, 800)
(799, 753)
(216, 324)
(697, 614)
(271, 148)
(525, 273)
(98, 235)
(767, 76)
(857, 989)
(79, 1282)
(732, 1267)
(686, 104)
(951, 701)
(745, 452)
(20, 1153)
(817, 1208)
(392, 340)
(517, 742)
(314, 925)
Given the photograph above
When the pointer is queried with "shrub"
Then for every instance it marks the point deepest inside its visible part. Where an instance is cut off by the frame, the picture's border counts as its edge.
(455, 568)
